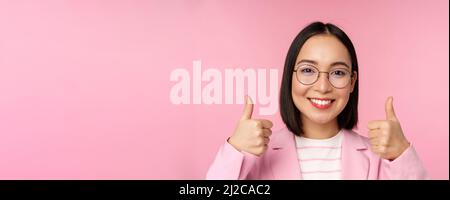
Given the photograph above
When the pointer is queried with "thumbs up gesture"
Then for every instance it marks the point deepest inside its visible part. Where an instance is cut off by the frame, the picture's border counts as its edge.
(251, 135)
(386, 136)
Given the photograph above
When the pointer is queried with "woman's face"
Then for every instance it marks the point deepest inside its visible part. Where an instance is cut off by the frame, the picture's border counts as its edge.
(320, 102)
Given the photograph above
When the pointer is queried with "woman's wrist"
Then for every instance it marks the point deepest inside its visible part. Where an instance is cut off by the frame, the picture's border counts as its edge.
(231, 142)
(401, 149)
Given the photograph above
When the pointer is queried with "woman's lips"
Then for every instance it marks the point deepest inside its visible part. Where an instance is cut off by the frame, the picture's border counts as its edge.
(321, 103)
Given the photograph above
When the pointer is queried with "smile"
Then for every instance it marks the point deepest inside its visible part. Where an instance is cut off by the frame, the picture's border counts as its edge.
(321, 103)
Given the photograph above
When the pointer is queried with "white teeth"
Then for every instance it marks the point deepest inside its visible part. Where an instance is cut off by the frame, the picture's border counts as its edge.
(321, 102)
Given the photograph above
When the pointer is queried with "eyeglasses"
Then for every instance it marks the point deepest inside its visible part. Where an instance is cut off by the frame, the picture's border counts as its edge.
(338, 77)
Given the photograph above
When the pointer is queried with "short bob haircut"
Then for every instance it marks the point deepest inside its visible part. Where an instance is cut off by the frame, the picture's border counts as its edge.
(348, 118)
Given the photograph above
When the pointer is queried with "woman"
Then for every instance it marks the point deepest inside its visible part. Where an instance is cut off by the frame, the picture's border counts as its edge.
(318, 104)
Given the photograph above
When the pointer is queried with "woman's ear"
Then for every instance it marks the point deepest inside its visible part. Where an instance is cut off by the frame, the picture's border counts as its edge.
(355, 76)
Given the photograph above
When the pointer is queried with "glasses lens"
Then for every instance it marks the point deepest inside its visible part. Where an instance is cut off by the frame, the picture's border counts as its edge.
(307, 74)
(339, 78)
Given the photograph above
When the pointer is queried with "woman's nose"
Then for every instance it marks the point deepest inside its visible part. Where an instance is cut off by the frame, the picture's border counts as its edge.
(323, 85)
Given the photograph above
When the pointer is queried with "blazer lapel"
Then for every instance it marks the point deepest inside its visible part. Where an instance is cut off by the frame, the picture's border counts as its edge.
(283, 154)
(355, 165)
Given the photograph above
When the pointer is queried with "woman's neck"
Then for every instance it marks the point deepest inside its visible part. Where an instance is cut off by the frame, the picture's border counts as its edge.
(319, 131)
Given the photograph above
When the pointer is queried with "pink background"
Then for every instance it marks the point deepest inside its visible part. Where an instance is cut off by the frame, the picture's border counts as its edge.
(85, 84)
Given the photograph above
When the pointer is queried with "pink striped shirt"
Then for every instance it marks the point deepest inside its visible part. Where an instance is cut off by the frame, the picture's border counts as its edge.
(320, 159)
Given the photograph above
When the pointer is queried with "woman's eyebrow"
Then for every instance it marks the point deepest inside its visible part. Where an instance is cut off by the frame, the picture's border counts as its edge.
(340, 63)
(308, 61)
(315, 63)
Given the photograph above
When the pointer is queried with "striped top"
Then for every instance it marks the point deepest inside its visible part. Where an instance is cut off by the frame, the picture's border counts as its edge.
(320, 159)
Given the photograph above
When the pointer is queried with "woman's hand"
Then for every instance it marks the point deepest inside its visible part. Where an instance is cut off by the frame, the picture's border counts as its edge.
(251, 135)
(386, 136)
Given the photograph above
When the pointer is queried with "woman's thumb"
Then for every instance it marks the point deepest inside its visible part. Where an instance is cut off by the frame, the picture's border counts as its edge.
(248, 109)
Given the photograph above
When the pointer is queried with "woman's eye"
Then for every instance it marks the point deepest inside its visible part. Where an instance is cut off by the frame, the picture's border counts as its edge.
(339, 73)
(307, 71)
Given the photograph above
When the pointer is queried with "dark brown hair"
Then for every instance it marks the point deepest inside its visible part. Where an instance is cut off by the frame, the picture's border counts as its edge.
(348, 118)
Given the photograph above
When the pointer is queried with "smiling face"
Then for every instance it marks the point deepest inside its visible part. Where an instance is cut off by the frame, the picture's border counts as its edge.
(320, 102)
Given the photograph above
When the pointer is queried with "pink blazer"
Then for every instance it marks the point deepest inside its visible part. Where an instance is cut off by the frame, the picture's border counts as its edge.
(280, 161)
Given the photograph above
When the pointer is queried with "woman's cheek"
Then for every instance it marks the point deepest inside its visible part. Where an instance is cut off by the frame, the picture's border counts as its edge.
(343, 100)
(298, 96)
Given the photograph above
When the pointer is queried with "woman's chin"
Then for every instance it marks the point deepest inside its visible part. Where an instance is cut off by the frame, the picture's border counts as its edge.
(321, 119)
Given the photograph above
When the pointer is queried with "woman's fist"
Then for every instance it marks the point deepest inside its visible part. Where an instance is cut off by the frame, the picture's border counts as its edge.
(386, 136)
(251, 135)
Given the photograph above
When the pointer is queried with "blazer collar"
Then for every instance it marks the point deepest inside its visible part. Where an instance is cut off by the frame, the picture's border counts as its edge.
(353, 141)
(284, 161)
(355, 164)
(285, 165)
